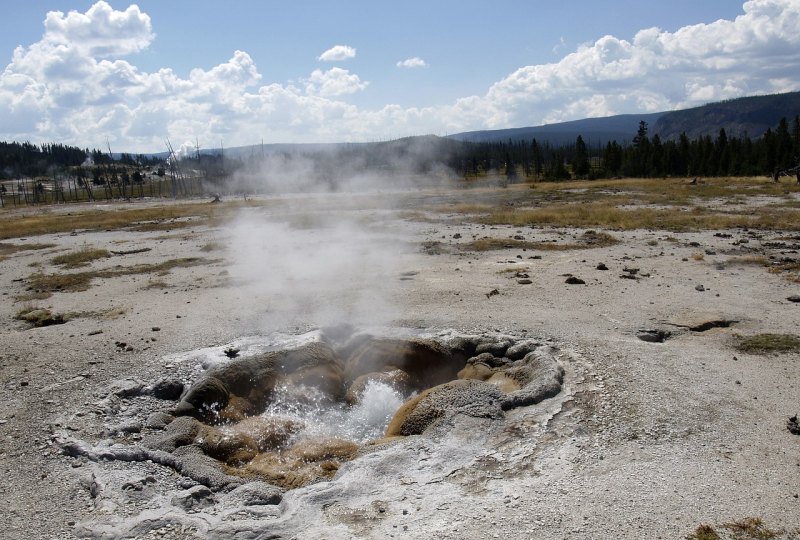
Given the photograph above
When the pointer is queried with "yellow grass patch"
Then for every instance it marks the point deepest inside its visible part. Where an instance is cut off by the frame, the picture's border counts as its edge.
(82, 257)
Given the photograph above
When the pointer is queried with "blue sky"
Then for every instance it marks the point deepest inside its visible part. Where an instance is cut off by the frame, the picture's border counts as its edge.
(244, 71)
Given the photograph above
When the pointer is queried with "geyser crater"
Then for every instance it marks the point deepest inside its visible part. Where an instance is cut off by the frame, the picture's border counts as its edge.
(253, 437)
(291, 416)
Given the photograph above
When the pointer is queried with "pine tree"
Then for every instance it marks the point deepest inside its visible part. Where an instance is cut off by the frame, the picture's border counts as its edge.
(580, 163)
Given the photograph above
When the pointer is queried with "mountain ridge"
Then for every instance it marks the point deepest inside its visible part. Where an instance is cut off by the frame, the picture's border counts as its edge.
(751, 115)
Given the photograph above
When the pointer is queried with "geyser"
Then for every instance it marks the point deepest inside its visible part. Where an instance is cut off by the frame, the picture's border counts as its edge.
(292, 416)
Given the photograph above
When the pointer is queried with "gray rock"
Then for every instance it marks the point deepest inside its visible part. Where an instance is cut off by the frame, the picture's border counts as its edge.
(519, 350)
(470, 397)
(539, 375)
(793, 425)
(496, 348)
(794, 298)
(128, 427)
(255, 494)
(252, 378)
(127, 388)
(194, 498)
(158, 420)
(654, 336)
(205, 470)
(489, 359)
(170, 389)
(572, 280)
(180, 432)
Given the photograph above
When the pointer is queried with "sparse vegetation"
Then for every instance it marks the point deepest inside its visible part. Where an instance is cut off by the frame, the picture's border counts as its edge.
(81, 281)
(75, 282)
(9, 249)
(790, 269)
(38, 316)
(82, 257)
(513, 270)
(463, 208)
(156, 284)
(751, 528)
(704, 532)
(768, 343)
(110, 314)
(609, 215)
(212, 246)
(590, 239)
(149, 218)
(759, 260)
(33, 295)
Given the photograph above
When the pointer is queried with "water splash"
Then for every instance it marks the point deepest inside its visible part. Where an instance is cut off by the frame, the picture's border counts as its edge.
(323, 417)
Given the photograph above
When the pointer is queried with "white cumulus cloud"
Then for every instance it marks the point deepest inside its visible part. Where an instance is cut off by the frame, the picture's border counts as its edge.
(334, 82)
(101, 31)
(658, 70)
(338, 53)
(74, 85)
(413, 62)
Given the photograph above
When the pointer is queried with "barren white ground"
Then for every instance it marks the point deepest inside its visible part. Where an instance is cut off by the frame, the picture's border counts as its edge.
(648, 440)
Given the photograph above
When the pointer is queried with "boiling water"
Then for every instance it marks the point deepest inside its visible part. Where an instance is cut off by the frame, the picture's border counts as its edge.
(322, 417)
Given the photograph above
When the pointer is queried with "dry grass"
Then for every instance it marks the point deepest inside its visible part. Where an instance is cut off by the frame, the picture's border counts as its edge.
(40, 282)
(162, 217)
(751, 528)
(9, 249)
(33, 295)
(768, 343)
(665, 204)
(589, 239)
(462, 208)
(110, 314)
(608, 215)
(698, 256)
(790, 270)
(704, 532)
(168, 224)
(514, 270)
(81, 281)
(758, 260)
(82, 257)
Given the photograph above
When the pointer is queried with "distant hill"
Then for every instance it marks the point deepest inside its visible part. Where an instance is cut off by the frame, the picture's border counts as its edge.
(743, 116)
(595, 131)
(748, 115)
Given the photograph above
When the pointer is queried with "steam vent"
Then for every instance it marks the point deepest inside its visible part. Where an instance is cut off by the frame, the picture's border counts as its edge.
(291, 417)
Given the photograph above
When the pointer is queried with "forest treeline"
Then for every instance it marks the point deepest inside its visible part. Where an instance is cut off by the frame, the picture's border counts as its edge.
(644, 156)
(18, 160)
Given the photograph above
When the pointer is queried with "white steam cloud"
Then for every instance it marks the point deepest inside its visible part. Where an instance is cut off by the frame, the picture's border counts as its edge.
(313, 269)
